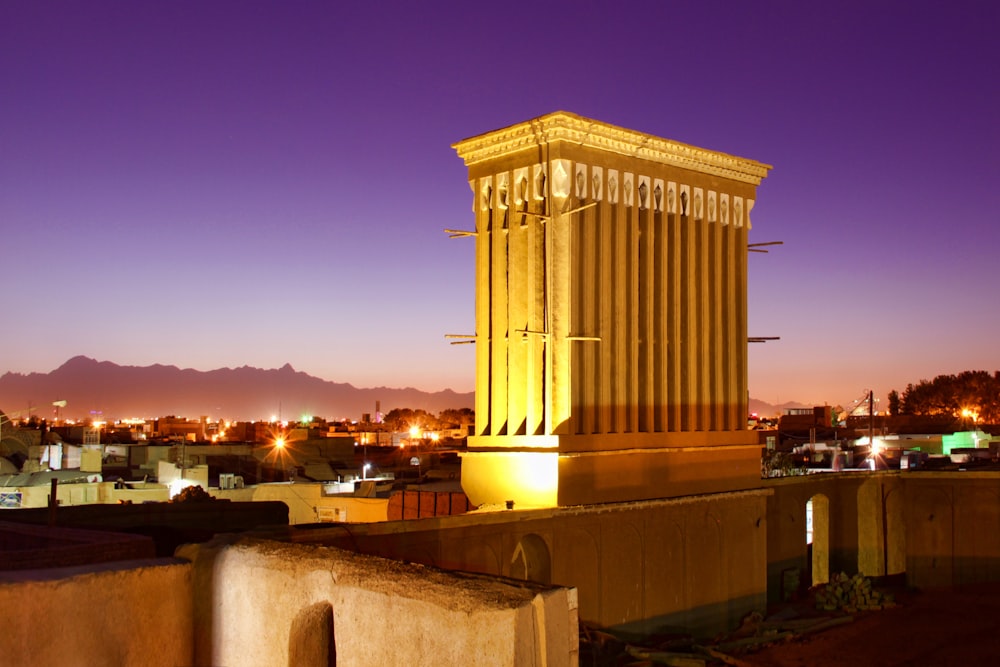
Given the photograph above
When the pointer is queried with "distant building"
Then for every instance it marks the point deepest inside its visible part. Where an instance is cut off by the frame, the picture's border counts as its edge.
(189, 429)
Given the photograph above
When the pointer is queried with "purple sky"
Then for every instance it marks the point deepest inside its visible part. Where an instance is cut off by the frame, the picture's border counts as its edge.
(212, 184)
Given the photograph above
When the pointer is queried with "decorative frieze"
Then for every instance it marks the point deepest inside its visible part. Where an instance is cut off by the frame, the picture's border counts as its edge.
(540, 181)
(486, 193)
(643, 191)
(581, 181)
(685, 198)
(561, 181)
(596, 175)
(503, 190)
(520, 186)
(567, 127)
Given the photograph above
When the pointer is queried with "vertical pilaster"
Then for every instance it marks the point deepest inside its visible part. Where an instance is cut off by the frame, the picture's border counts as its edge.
(661, 335)
(606, 278)
(535, 269)
(620, 315)
(717, 328)
(518, 303)
(689, 324)
(674, 320)
(482, 191)
(633, 305)
(560, 303)
(647, 288)
(704, 329)
(590, 295)
(731, 328)
(742, 397)
(500, 321)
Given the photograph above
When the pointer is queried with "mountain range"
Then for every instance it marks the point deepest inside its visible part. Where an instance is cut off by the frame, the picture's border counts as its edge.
(91, 387)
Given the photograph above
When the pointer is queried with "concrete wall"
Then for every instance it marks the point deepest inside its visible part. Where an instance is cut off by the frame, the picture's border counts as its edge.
(119, 614)
(698, 562)
(264, 603)
(306, 502)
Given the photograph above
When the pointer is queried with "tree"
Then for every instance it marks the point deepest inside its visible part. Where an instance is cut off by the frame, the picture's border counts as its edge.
(452, 418)
(894, 403)
(968, 393)
(402, 419)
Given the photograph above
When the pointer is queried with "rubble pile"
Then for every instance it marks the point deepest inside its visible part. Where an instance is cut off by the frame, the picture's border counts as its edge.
(192, 494)
(850, 594)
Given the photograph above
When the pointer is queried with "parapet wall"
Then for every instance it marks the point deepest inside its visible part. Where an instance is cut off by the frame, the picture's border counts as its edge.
(939, 528)
(699, 562)
(134, 613)
(265, 603)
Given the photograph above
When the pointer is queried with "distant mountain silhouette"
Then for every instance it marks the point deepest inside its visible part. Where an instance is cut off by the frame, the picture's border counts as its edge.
(244, 393)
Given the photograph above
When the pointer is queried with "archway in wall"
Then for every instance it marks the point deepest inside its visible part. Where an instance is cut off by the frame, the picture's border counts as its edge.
(531, 560)
(311, 640)
(818, 538)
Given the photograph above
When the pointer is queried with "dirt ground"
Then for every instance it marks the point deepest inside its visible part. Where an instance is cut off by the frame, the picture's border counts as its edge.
(936, 628)
(932, 628)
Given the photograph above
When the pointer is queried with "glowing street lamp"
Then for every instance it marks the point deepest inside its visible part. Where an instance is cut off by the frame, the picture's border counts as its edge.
(969, 413)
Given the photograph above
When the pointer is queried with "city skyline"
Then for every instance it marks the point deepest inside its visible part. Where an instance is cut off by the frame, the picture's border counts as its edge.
(228, 184)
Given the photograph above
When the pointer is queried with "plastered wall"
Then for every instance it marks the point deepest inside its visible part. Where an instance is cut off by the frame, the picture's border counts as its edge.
(265, 603)
(129, 614)
(939, 528)
(698, 562)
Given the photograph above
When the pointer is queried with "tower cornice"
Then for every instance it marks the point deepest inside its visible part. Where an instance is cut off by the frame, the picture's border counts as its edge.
(574, 129)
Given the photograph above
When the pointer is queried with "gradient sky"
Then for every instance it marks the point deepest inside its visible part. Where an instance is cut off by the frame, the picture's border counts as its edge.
(212, 184)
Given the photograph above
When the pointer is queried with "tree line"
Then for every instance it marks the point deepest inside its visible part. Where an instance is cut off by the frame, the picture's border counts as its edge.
(403, 419)
(972, 395)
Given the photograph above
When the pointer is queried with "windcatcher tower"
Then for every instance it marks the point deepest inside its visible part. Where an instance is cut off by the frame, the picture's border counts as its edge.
(611, 315)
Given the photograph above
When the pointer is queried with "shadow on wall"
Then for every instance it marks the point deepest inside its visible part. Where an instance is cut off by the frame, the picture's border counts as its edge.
(311, 639)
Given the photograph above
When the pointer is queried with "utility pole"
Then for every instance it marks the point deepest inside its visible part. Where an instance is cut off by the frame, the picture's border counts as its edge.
(871, 419)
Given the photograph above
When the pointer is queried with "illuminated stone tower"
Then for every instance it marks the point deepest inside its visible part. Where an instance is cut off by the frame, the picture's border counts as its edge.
(610, 315)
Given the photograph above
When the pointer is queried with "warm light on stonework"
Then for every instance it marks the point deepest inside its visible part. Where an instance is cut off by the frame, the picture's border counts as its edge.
(529, 479)
(610, 315)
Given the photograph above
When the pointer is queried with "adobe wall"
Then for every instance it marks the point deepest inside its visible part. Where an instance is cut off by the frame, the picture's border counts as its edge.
(940, 528)
(952, 528)
(699, 562)
(265, 603)
(135, 613)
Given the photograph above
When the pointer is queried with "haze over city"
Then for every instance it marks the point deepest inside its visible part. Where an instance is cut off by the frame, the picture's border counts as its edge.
(224, 184)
